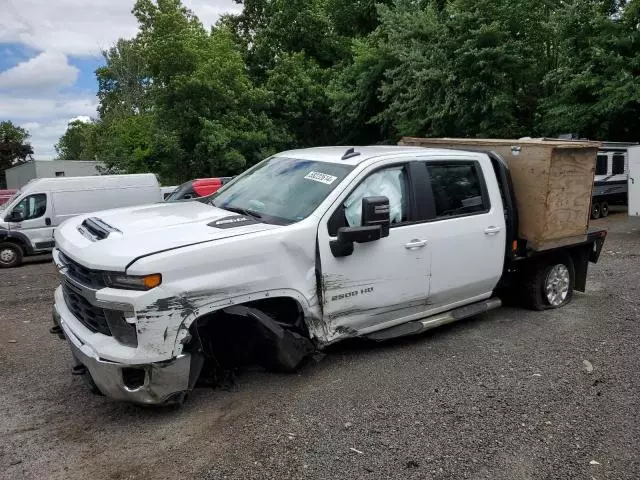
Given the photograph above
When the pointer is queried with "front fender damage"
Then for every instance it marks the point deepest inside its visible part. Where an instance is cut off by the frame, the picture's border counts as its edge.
(240, 336)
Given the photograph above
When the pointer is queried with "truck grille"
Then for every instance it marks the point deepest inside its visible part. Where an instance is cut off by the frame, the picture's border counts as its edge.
(86, 276)
(90, 316)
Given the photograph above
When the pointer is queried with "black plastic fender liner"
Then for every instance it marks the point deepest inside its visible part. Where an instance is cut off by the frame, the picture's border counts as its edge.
(277, 347)
(241, 336)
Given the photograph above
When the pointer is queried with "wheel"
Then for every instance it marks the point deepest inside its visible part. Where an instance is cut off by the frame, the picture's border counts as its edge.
(595, 211)
(10, 255)
(604, 209)
(550, 284)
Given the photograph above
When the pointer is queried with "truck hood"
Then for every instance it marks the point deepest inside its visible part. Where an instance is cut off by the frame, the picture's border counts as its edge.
(113, 239)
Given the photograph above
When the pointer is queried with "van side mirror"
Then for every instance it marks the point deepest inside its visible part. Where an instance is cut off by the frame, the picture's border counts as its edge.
(376, 221)
(15, 216)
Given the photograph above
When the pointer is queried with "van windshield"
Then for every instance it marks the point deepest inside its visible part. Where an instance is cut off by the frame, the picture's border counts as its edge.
(281, 190)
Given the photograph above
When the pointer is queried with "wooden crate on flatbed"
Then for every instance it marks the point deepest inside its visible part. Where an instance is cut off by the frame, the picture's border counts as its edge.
(552, 180)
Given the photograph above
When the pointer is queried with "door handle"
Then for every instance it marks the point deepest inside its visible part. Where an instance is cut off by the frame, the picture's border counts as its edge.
(415, 243)
(491, 230)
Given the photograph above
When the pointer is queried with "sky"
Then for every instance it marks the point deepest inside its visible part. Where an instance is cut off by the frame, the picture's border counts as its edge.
(49, 50)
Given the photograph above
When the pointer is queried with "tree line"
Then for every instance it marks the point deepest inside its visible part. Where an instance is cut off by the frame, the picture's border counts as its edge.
(185, 101)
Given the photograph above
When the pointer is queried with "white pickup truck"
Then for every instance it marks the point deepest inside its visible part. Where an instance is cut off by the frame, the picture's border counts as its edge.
(306, 248)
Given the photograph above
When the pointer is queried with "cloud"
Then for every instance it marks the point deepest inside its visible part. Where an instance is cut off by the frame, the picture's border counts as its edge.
(82, 28)
(49, 70)
(46, 118)
(209, 11)
(81, 118)
(41, 93)
(32, 109)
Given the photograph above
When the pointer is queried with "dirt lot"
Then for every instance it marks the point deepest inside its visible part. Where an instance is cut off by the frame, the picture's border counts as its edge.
(507, 395)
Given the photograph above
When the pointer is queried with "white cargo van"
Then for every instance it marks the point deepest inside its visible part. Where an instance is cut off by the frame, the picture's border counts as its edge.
(28, 220)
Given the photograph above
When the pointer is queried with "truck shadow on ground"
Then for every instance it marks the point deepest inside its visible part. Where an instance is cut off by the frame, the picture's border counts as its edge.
(256, 381)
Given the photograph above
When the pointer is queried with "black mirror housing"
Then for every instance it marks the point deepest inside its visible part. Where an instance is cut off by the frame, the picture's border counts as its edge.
(376, 220)
(377, 212)
(359, 234)
(15, 217)
(347, 236)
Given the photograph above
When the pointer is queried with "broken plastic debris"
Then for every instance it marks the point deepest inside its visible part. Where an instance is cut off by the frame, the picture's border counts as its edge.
(593, 462)
(348, 425)
(588, 366)
(357, 451)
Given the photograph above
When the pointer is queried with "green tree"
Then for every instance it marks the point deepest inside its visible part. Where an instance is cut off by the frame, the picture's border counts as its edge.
(14, 147)
(270, 28)
(209, 119)
(126, 125)
(354, 93)
(595, 88)
(79, 142)
(300, 103)
(124, 82)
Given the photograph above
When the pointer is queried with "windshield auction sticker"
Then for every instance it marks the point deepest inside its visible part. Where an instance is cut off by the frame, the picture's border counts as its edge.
(320, 177)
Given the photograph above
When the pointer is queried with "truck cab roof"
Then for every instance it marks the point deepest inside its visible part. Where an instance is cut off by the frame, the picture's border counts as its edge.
(354, 155)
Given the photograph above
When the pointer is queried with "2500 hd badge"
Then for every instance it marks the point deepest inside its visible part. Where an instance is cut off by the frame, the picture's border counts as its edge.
(355, 293)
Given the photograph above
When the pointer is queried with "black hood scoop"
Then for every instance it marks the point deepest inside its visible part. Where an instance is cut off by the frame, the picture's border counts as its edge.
(95, 229)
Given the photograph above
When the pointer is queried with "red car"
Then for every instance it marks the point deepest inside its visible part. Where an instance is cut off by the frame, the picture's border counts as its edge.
(5, 195)
(201, 187)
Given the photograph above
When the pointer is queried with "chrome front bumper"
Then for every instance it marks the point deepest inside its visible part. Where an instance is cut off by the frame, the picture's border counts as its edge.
(164, 382)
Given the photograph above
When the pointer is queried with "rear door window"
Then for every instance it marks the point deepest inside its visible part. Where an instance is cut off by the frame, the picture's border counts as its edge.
(458, 189)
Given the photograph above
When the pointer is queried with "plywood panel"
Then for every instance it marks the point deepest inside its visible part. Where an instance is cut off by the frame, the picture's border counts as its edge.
(569, 193)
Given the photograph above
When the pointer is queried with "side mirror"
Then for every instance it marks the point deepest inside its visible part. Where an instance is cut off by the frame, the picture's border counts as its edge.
(376, 211)
(15, 216)
(375, 225)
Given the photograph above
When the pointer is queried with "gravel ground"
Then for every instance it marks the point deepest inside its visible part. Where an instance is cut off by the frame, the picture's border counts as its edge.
(512, 394)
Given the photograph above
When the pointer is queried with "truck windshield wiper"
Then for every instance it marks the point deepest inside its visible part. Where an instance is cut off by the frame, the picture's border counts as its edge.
(244, 211)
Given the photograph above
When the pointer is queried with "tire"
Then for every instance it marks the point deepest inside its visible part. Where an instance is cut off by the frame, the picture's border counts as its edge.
(595, 211)
(550, 283)
(10, 255)
(604, 209)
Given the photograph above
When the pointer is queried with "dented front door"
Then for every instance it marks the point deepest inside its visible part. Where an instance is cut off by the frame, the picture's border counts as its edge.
(383, 280)
(379, 282)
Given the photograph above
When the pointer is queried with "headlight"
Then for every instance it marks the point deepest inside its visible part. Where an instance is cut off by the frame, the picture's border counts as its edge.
(132, 282)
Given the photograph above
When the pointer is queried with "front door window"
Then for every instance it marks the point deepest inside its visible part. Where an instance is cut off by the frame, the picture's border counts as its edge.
(31, 207)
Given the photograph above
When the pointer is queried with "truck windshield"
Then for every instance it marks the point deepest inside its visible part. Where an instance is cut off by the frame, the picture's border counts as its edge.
(281, 190)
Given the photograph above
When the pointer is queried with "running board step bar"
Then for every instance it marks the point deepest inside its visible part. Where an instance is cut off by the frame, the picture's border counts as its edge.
(418, 326)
